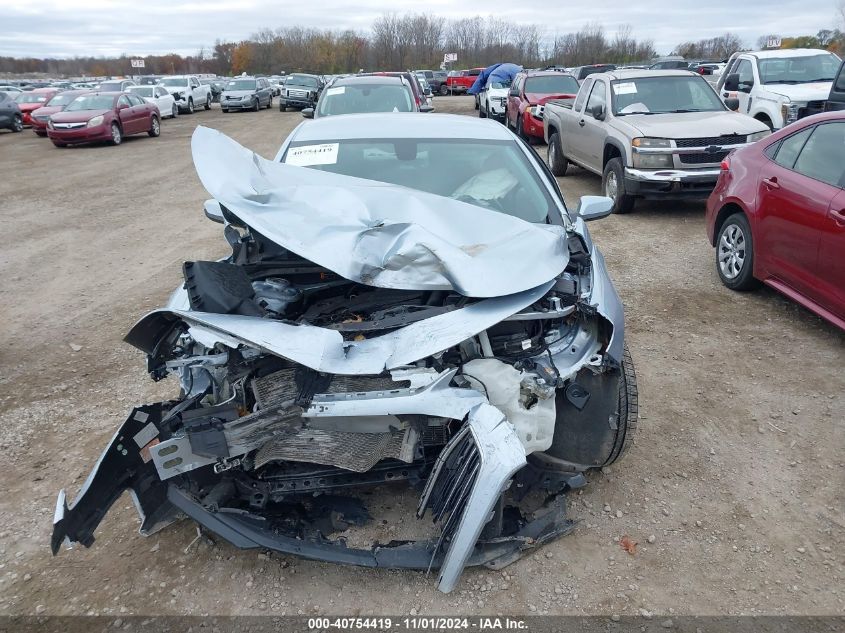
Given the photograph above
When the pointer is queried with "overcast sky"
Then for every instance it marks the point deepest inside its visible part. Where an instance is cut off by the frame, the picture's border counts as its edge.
(64, 28)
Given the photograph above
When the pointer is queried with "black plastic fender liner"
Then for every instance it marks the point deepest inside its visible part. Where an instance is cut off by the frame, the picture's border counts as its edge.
(121, 467)
(248, 531)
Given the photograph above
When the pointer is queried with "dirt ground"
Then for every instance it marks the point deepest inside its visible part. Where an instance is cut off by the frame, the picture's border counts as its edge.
(734, 488)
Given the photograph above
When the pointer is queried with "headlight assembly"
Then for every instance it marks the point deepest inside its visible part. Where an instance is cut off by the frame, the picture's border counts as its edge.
(97, 120)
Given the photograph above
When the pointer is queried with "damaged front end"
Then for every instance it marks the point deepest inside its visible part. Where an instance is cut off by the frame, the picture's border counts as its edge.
(301, 387)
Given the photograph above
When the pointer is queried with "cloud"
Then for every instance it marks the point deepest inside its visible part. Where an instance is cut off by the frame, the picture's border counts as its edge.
(65, 28)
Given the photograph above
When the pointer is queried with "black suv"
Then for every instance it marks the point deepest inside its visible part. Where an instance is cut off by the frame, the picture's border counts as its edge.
(10, 113)
(836, 100)
(301, 91)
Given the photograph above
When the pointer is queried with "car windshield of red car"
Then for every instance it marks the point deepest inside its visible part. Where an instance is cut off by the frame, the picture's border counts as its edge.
(31, 97)
(61, 99)
(552, 84)
(91, 102)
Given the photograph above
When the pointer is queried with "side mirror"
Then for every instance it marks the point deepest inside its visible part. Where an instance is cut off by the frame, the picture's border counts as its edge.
(213, 211)
(746, 86)
(308, 113)
(732, 103)
(426, 108)
(731, 82)
(594, 207)
(597, 112)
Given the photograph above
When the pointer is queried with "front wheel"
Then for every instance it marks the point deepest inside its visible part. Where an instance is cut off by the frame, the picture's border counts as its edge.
(735, 253)
(116, 134)
(613, 186)
(17, 123)
(175, 112)
(444, 90)
(190, 106)
(557, 161)
(477, 104)
(207, 105)
(270, 103)
(155, 127)
(255, 105)
(482, 112)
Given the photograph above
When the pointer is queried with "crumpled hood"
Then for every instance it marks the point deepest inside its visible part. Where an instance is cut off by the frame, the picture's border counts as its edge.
(379, 234)
(691, 124)
(819, 90)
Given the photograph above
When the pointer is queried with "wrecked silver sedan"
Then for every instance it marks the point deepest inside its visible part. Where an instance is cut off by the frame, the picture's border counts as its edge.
(407, 302)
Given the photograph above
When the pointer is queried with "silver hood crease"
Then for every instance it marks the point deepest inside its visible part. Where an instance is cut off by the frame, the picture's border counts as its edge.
(375, 233)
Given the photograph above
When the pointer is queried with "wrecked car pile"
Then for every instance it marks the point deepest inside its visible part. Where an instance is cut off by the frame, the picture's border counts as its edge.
(363, 334)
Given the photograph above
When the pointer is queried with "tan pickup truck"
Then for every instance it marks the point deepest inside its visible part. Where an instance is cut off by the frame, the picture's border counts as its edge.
(648, 133)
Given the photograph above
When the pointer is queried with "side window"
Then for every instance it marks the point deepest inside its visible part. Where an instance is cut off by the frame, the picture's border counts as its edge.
(582, 94)
(474, 73)
(821, 156)
(790, 147)
(161, 92)
(840, 79)
(746, 73)
(194, 83)
(598, 96)
(123, 100)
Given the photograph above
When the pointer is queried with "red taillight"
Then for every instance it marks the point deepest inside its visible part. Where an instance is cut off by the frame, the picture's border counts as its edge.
(725, 165)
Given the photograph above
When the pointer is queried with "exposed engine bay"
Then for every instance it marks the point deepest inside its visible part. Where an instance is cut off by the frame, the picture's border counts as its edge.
(300, 386)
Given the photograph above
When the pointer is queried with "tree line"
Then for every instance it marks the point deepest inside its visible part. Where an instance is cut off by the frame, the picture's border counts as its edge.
(412, 40)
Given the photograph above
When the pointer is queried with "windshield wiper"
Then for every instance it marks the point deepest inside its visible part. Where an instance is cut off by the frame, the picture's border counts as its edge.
(627, 113)
(686, 110)
(782, 81)
(811, 81)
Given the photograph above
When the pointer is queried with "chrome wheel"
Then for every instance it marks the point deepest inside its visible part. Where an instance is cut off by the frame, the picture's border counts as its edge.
(17, 124)
(155, 128)
(550, 153)
(731, 251)
(116, 136)
(611, 186)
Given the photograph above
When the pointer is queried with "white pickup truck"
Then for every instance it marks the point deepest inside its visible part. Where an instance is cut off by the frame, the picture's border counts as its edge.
(778, 87)
(188, 92)
(648, 133)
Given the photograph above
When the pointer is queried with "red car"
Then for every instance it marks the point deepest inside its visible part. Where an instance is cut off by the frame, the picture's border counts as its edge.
(32, 100)
(777, 215)
(103, 116)
(459, 81)
(55, 105)
(528, 93)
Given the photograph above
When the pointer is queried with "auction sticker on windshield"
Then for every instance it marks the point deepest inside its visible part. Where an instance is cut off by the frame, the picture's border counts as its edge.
(307, 155)
(627, 88)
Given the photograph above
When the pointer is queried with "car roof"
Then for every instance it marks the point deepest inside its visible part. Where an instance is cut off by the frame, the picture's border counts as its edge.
(369, 80)
(787, 52)
(400, 125)
(546, 73)
(635, 73)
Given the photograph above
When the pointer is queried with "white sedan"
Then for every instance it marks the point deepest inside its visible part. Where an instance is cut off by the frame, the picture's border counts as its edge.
(159, 96)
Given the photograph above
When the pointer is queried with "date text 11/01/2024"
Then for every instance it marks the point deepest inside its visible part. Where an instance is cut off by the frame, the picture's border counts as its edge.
(418, 623)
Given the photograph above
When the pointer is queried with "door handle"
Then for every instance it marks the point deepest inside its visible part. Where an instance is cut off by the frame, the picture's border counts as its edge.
(582, 123)
(838, 216)
(771, 183)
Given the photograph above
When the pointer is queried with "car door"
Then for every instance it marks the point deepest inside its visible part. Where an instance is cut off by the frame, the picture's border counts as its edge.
(570, 121)
(265, 90)
(822, 159)
(164, 100)
(745, 69)
(128, 119)
(512, 109)
(792, 208)
(590, 131)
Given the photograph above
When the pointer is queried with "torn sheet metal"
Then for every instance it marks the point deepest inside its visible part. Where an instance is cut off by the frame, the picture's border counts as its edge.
(325, 350)
(379, 234)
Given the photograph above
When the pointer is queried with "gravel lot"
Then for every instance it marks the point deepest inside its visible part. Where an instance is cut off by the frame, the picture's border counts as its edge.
(733, 490)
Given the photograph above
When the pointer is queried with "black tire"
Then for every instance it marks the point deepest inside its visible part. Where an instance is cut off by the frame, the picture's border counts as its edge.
(41, 134)
(155, 127)
(444, 91)
(270, 102)
(613, 186)
(557, 161)
(175, 112)
(520, 132)
(282, 107)
(482, 113)
(59, 144)
(17, 123)
(255, 105)
(207, 103)
(477, 104)
(190, 106)
(629, 407)
(225, 110)
(735, 253)
(116, 134)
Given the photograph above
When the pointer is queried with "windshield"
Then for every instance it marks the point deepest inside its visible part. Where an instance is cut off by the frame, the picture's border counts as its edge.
(174, 82)
(365, 98)
(498, 83)
(241, 84)
(492, 174)
(62, 99)
(109, 86)
(798, 70)
(302, 80)
(31, 97)
(659, 95)
(552, 84)
(142, 92)
(91, 102)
